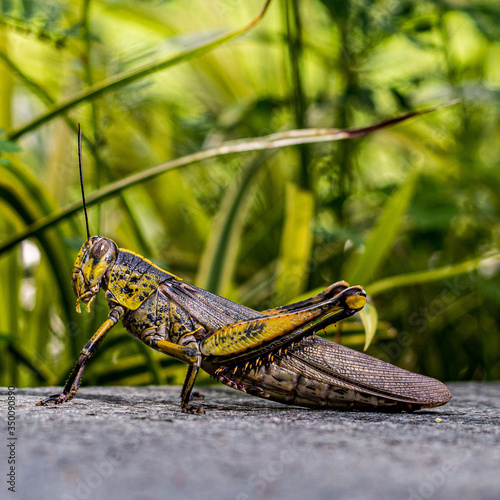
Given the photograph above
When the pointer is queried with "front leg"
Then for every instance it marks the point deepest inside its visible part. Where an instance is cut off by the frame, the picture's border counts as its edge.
(74, 380)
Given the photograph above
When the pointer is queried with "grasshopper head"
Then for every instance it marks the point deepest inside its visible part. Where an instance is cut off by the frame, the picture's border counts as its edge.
(91, 268)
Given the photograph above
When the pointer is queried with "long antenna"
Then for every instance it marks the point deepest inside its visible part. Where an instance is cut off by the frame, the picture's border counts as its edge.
(81, 180)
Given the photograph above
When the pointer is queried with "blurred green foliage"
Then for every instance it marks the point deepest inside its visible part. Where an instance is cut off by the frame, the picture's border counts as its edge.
(410, 212)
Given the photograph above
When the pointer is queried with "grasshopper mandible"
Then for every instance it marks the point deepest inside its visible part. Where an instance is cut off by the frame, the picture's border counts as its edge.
(272, 354)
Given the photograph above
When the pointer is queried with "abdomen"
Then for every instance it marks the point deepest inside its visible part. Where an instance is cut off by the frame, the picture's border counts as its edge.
(323, 374)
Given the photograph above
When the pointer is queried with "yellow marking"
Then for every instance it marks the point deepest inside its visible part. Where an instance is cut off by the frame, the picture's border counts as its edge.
(356, 302)
(176, 351)
(187, 333)
(234, 339)
(120, 279)
(90, 302)
(242, 336)
(146, 284)
(149, 262)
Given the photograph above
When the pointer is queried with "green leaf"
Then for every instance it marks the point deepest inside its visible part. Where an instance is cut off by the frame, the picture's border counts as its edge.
(369, 318)
(122, 79)
(273, 141)
(23, 357)
(9, 147)
(362, 268)
(219, 257)
(296, 243)
(431, 275)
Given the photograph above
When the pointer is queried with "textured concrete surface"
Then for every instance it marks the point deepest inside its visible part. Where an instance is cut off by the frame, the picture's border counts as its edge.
(134, 443)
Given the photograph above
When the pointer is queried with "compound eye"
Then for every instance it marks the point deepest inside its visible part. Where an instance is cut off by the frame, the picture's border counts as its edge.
(99, 249)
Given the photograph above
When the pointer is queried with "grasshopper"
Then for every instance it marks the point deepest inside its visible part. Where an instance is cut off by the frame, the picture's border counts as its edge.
(271, 354)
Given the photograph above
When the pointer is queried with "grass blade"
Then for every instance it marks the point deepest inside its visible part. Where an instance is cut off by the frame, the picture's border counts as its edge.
(369, 318)
(429, 276)
(273, 141)
(130, 76)
(362, 268)
(220, 255)
(296, 243)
